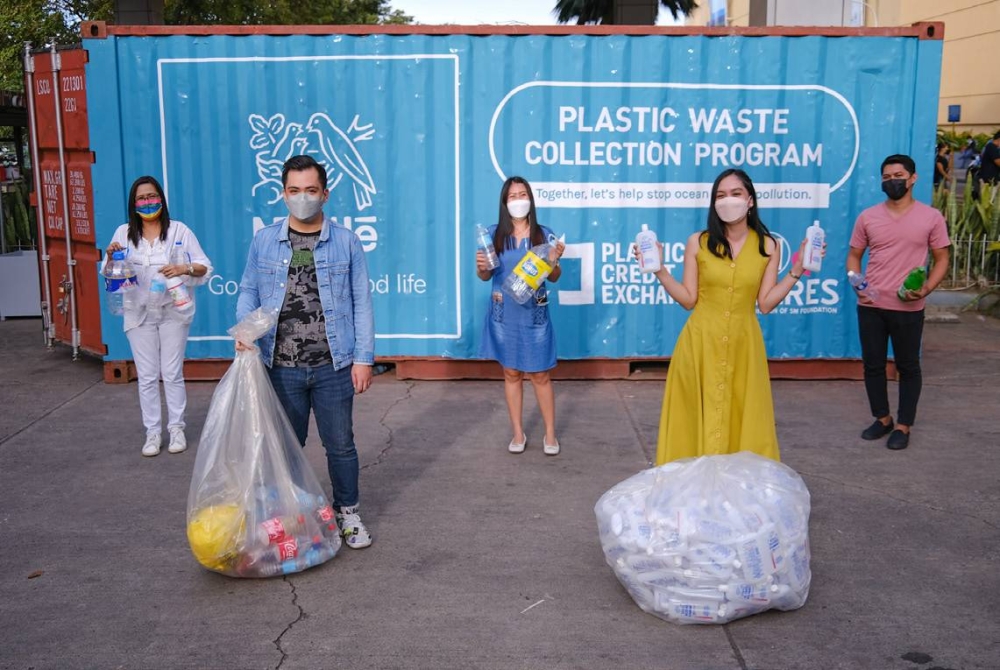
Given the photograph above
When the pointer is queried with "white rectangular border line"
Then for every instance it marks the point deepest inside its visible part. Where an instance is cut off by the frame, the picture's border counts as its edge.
(243, 59)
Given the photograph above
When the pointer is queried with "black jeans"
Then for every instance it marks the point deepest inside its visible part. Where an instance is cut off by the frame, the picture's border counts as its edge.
(876, 327)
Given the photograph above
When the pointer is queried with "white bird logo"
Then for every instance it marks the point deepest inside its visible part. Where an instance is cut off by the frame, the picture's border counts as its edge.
(337, 148)
(275, 142)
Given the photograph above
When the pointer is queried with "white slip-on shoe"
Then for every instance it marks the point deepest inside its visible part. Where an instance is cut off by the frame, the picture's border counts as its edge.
(178, 442)
(550, 449)
(152, 445)
(518, 447)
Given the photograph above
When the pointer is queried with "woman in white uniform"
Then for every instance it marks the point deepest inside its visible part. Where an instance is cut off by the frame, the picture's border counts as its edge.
(156, 329)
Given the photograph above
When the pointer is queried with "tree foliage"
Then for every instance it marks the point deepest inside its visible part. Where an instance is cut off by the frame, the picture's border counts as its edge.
(44, 22)
(282, 12)
(40, 22)
(603, 11)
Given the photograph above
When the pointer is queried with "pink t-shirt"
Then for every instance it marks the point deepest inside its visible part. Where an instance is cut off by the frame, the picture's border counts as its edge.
(896, 245)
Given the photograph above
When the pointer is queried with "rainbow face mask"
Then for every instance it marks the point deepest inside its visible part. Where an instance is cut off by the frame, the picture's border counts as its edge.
(149, 209)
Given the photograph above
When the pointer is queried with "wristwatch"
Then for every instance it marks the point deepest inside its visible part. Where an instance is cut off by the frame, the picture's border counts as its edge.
(191, 269)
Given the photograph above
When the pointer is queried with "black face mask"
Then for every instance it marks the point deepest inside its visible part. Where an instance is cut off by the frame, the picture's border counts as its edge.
(895, 188)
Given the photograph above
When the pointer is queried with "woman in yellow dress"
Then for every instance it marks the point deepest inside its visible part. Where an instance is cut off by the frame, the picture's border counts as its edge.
(718, 393)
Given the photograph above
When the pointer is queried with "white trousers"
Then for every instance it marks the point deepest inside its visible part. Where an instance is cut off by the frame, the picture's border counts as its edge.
(158, 351)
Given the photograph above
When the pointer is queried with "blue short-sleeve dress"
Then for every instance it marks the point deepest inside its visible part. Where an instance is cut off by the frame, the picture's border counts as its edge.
(518, 336)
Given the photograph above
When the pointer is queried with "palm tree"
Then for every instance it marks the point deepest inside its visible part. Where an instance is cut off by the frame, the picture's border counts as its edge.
(603, 11)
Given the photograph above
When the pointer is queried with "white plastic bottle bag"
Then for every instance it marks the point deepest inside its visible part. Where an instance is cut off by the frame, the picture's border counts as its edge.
(710, 539)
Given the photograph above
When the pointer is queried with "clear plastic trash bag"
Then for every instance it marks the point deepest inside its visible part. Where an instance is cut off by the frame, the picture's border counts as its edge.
(709, 539)
(255, 508)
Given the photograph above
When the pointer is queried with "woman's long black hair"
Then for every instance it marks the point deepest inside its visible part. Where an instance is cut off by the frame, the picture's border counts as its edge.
(503, 238)
(717, 242)
(135, 221)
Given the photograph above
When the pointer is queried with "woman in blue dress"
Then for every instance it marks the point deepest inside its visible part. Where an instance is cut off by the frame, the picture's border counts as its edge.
(519, 336)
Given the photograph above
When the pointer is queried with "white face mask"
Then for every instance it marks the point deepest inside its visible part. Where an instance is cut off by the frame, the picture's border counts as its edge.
(518, 208)
(732, 209)
(303, 206)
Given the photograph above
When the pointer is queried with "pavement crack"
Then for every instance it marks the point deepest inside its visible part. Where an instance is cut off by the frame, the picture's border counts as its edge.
(903, 500)
(647, 450)
(49, 412)
(388, 445)
(736, 648)
(300, 617)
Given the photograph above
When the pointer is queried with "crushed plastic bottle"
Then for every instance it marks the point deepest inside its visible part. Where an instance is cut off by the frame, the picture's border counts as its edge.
(530, 272)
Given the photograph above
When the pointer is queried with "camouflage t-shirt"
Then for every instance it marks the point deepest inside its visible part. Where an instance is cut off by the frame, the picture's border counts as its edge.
(301, 338)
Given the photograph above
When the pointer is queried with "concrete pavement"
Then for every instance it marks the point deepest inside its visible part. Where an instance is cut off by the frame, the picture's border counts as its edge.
(483, 559)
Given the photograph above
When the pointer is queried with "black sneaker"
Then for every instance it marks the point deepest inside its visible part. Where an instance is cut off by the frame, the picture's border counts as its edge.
(877, 430)
(898, 440)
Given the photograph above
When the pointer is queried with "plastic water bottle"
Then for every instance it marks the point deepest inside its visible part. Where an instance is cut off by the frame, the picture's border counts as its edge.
(485, 244)
(649, 255)
(119, 283)
(157, 292)
(913, 282)
(529, 273)
(177, 286)
(178, 256)
(815, 236)
(860, 284)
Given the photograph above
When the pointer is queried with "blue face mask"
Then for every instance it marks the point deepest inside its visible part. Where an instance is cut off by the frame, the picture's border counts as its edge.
(149, 210)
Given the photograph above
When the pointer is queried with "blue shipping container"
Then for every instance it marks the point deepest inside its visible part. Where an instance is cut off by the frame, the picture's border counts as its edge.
(419, 131)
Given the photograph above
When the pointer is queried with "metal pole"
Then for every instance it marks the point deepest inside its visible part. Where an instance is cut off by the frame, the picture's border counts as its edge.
(982, 262)
(968, 263)
(3, 236)
(954, 263)
(36, 169)
(70, 262)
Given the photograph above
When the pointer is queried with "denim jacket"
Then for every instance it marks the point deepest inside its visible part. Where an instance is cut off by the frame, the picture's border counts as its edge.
(342, 277)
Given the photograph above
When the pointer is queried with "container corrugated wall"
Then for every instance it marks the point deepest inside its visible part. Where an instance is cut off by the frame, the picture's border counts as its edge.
(419, 132)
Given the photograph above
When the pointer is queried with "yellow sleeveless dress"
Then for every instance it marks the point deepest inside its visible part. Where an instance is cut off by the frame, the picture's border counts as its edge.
(718, 393)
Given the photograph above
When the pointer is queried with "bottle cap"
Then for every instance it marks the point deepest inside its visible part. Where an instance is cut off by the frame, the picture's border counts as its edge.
(617, 523)
(645, 227)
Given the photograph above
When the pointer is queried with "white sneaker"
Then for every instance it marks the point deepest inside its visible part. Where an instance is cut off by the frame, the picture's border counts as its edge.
(152, 445)
(178, 442)
(356, 536)
(550, 449)
(518, 447)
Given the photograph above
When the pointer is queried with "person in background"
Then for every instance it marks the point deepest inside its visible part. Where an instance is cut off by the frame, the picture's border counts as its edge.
(157, 334)
(520, 337)
(897, 234)
(941, 165)
(312, 272)
(966, 155)
(989, 168)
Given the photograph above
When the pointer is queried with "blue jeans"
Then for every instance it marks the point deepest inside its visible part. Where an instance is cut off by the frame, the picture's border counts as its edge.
(330, 394)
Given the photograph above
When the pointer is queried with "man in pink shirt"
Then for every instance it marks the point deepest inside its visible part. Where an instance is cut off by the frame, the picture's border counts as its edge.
(897, 234)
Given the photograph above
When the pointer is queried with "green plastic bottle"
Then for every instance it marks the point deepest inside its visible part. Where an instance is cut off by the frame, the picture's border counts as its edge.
(913, 282)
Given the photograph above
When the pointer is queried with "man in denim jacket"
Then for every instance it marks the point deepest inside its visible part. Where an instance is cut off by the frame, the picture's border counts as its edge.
(312, 273)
